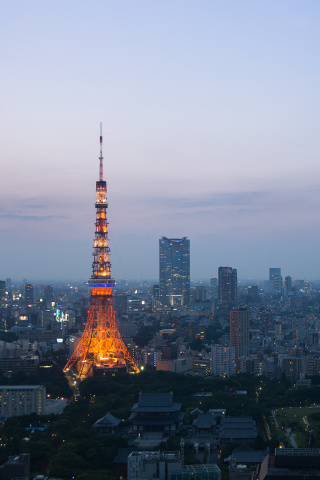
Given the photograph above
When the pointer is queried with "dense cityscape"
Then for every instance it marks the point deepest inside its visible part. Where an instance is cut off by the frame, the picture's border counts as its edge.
(159, 275)
(219, 327)
(215, 334)
(222, 348)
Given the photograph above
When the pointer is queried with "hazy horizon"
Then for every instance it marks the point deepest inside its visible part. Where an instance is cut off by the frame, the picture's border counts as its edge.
(52, 281)
(210, 118)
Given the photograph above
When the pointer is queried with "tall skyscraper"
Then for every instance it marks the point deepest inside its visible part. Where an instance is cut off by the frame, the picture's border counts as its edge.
(275, 279)
(227, 286)
(288, 284)
(174, 271)
(28, 294)
(48, 295)
(239, 331)
(2, 290)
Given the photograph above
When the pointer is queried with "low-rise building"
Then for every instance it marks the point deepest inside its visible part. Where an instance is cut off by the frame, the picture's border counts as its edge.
(291, 463)
(24, 363)
(17, 466)
(201, 366)
(241, 471)
(152, 465)
(238, 429)
(167, 466)
(107, 425)
(22, 400)
(196, 472)
(179, 365)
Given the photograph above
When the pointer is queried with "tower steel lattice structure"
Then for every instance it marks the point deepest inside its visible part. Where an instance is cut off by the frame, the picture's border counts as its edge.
(101, 345)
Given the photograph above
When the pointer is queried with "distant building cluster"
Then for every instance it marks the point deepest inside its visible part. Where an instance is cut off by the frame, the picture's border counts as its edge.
(217, 327)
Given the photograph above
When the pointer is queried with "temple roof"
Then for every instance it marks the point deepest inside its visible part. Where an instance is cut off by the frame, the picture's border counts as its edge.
(107, 421)
(204, 421)
(246, 454)
(156, 402)
(238, 427)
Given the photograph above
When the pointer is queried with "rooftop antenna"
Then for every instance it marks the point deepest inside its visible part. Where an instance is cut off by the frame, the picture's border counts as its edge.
(182, 450)
(101, 157)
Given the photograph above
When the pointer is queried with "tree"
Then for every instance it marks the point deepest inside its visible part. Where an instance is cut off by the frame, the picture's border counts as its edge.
(65, 464)
(196, 344)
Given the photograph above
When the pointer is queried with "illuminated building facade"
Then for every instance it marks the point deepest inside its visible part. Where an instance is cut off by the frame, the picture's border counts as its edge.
(28, 294)
(101, 346)
(223, 361)
(174, 271)
(275, 280)
(48, 295)
(2, 291)
(22, 400)
(227, 286)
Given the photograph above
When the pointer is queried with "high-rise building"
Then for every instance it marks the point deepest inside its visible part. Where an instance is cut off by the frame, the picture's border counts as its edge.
(48, 295)
(28, 294)
(198, 294)
(239, 331)
(174, 271)
(223, 361)
(275, 279)
(288, 284)
(253, 293)
(2, 291)
(227, 286)
(213, 282)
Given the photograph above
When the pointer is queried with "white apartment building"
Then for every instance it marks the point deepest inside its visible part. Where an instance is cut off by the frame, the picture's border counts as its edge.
(223, 362)
(22, 400)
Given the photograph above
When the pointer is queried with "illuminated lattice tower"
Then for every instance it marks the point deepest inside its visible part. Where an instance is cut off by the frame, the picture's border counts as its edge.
(101, 345)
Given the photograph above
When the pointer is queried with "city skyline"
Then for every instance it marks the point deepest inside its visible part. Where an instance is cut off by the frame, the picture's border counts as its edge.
(210, 115)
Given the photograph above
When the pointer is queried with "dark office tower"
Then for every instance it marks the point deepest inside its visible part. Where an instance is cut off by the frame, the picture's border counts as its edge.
(155, 292)
(227, 286)
(239, 331)
(213, 282)
(48, 295)
(2, 290)
(275, 279)
(174, 271)
(288, 284)
(253, 294)
(28, 294)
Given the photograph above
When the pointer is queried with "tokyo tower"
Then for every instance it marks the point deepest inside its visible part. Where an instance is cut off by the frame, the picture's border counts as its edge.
(101, 345)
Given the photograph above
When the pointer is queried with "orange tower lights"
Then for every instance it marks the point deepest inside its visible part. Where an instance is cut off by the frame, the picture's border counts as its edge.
(101, 345)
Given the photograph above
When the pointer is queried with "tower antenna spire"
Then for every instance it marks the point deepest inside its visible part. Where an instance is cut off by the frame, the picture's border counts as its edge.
(101, 157)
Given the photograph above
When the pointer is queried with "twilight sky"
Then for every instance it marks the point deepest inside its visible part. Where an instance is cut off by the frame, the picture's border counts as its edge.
(210, 114)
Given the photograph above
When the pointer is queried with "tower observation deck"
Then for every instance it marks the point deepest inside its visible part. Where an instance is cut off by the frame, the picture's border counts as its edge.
(101, 346)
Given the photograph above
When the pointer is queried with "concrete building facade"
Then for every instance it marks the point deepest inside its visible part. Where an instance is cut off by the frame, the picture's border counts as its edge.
(22, 400)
